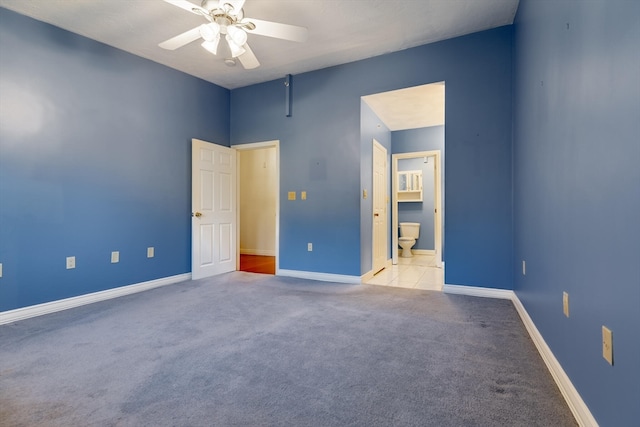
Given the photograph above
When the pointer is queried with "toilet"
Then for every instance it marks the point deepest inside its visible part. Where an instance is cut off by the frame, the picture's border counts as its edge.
(409, 232)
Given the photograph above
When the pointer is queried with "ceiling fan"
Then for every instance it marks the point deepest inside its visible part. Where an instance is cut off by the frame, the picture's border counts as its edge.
(226, 19)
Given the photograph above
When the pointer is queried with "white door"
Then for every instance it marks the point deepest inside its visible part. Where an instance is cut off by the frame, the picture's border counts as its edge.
(380, 231)
(213, 222)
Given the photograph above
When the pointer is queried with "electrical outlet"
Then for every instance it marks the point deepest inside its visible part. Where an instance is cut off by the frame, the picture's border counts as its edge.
(303, 195)
(150, 252)
(565, 303)
(291, 195)
(310, 247)
(71, 262)
(524, 267)
(607, 344)
(115, 257)
(364, 194)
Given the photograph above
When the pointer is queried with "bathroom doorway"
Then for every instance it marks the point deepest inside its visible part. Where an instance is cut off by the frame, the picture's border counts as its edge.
(429, 212)
(410, 123)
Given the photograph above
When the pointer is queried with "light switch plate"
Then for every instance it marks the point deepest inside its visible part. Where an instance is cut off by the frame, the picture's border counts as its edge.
(303, 195)
(115, 257)
(607, 344)
(292, 195)
(150, 252)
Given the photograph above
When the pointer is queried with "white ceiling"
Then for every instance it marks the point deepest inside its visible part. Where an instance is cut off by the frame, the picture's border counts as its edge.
(340, 31)
(410, 108)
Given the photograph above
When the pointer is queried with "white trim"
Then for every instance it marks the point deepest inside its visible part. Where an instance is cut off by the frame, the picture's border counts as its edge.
(255, 146)
(261, 252)
(423, 251)
(571, 396)
(64, 304)
(324, 277)
(478, 292)
(369, 275)
(577, 406)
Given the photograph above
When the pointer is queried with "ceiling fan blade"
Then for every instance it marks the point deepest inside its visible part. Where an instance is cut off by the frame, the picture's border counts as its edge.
(248, 59)
(184, 4)
(237, 4)
(277, 30)
(181, 39)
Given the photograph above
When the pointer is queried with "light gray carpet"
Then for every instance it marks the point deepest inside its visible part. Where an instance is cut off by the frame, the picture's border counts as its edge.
(245, 349)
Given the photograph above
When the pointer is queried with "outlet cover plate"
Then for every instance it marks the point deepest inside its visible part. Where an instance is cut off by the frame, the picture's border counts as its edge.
(309, 247)
(150, 252)
(71, 262)
(115, 257)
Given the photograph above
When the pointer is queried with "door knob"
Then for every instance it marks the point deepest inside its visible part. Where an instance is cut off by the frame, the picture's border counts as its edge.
(197, 214)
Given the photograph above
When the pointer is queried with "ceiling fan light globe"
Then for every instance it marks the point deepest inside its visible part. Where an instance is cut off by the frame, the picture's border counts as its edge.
(212, 46)
(236, 50)
(210, 31)
(238, 35)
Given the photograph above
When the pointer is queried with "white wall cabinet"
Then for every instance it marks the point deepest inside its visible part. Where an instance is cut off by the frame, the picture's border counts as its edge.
(409, 186)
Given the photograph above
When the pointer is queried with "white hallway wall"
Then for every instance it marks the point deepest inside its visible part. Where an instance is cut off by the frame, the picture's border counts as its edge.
(257, 201)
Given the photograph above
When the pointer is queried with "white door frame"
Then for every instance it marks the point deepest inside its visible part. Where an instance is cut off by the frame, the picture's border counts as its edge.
(437, 218)
(385, 243)
(256, 146)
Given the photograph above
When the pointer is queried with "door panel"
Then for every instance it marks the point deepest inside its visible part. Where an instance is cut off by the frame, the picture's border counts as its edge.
(213, 209)
(379, 201)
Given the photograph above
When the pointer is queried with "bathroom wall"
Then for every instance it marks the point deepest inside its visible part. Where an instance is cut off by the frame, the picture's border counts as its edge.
(420, 212)
(423, 139)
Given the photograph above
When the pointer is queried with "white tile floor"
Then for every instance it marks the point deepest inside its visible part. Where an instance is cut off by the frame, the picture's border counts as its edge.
(417, 272)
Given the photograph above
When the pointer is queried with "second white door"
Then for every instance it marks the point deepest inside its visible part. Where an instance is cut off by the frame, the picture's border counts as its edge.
(380, 231)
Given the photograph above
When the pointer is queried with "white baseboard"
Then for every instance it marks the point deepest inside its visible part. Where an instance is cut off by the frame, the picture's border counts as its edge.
(579, 409)
(67, 303)
(261, 252)
(423, 251)
(571, 396)
(478, 292)
(369, 275)
(324, 277)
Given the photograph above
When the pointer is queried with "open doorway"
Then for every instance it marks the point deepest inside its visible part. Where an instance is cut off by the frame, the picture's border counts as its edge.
(258, 207)
(414, 118)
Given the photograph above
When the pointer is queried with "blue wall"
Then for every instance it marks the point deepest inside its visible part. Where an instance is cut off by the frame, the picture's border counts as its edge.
(422, 139)
(324, 135)
(95, 153)
(420, 212)
(577, 191)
